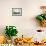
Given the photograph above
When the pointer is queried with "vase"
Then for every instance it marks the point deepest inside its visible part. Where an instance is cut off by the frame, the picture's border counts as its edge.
(13, 38)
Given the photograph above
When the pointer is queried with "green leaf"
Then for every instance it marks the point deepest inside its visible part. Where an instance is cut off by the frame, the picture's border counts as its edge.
(10, 31)
(40, 18)
(45, 16)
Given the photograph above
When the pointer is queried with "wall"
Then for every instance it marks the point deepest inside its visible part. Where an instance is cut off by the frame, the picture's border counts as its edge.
(26, 24)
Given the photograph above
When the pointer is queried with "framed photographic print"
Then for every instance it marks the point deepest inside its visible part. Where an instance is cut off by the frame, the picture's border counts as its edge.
(16, 11)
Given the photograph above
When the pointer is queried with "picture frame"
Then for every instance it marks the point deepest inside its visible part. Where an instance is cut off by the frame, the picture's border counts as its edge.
(16, 11)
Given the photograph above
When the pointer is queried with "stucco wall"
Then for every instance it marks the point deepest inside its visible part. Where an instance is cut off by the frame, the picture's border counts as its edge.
(26, 24)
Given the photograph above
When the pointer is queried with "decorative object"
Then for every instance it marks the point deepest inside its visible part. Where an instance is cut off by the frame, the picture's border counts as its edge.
(10, 31)
(42, 17)
(16, 11)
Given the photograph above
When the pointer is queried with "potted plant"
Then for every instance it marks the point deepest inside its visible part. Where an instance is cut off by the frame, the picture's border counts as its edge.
(10, 31)
(42, 17)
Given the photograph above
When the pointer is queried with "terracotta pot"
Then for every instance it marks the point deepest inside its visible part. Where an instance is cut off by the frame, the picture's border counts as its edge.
(43, 23)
